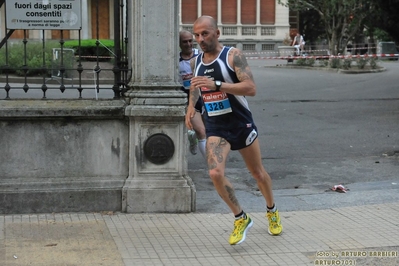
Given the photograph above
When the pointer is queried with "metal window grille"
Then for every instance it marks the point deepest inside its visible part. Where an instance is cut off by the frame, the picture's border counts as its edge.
(269, 31)
(267, 47)
(249, 31)
(248, 47)
(229, 30)
(187, 28)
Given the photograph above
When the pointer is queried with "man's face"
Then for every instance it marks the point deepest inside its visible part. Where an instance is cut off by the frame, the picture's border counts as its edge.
(205, 35)
(186, 43)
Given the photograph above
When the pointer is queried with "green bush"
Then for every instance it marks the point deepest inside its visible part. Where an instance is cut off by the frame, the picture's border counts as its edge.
(347, 63)
(310, 61)
(2, 59)
(335, 63)
(305, 61)
(373, 62)
(323, 63)
(362, 62)
(33, 57)
(91, 48)
(301, 61)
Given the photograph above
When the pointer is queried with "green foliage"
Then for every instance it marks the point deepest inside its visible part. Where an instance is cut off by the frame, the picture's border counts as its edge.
(32, 58)
(347, 63)
(362, 62)
(347, 18)
(305, 61)
(325, 63)
(335, 62)
(385, 17)
(338, 63)
(301, 61)
(310, 61)
(66, 62)
(91, 48)
(341, 19)
(2, 58)
(311, 26)
(381, 35)
(373, 62)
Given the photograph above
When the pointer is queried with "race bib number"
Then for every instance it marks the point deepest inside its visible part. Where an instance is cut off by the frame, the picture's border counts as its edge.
(216, 103)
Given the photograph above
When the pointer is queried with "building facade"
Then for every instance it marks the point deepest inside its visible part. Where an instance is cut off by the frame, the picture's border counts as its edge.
(250, 25)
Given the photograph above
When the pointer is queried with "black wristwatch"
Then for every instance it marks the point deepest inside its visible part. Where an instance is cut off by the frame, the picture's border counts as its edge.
(218, 84)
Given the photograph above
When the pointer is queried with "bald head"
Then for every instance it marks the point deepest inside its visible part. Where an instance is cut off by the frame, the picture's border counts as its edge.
(185, 33)
(210, 21)
(206, 33)
(186, 42)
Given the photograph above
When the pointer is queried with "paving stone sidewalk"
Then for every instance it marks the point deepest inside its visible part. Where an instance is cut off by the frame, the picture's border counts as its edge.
(361, 235)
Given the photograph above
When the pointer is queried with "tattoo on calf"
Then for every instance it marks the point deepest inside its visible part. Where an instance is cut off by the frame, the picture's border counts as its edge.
(232, 195)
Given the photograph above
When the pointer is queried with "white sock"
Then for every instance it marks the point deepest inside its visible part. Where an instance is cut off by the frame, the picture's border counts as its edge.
(272, 210)
(202, 147)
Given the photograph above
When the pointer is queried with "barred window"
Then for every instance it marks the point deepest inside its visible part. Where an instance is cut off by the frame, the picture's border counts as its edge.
(248, 30)
(267, 47)
(229, 30)
(188, 28)
(268, 31)
(248, 47)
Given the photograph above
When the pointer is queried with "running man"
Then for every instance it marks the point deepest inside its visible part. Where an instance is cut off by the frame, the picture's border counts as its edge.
(223, 78)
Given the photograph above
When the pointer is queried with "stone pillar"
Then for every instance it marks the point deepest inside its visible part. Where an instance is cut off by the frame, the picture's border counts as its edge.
(158, 179)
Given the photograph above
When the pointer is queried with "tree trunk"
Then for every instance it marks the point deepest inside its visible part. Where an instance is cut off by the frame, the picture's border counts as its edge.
(333, 43)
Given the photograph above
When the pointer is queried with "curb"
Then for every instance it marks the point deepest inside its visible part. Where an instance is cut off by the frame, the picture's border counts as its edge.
(341, 71)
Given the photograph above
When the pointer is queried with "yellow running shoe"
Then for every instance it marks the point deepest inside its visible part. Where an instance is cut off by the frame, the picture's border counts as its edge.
(275, 227)
(241, 227)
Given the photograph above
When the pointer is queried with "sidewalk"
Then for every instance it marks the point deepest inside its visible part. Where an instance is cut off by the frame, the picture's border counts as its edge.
(362, 235)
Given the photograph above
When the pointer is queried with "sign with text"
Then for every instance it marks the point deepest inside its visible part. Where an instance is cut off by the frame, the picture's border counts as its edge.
(44, 14)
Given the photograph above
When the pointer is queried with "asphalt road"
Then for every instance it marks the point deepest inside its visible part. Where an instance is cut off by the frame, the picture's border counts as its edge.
(317, 129)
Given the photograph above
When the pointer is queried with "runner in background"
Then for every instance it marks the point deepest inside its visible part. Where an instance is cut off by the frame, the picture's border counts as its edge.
(196, 136)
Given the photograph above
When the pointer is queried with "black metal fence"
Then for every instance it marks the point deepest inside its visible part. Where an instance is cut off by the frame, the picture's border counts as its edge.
(70, 70)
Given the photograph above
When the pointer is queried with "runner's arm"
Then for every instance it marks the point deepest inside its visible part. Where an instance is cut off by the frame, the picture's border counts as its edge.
(246, 85)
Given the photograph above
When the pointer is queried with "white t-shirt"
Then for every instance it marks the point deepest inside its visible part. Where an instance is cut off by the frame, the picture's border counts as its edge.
(300, 41)
(185, 70)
